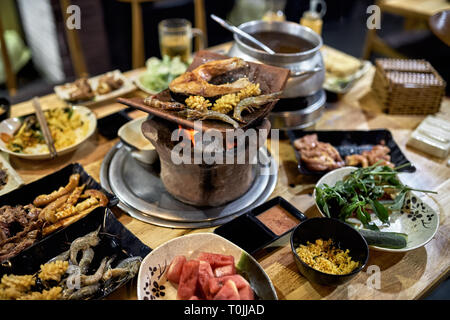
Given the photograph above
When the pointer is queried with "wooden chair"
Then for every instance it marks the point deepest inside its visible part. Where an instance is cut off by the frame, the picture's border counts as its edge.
(416, 14)
(11, 81)
(137, 32)
(73, 41)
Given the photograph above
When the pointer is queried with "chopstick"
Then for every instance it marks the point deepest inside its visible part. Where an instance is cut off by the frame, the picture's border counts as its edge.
(44, 127)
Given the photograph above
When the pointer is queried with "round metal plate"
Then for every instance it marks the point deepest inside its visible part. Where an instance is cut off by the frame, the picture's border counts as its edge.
(143, 196)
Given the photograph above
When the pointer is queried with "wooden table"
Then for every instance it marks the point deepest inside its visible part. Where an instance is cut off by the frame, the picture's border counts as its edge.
(408, 275)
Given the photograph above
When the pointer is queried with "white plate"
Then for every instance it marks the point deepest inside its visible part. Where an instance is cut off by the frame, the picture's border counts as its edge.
(14, 179)
(152, 283)
(419, 217)
(6, 127)
(126, 88)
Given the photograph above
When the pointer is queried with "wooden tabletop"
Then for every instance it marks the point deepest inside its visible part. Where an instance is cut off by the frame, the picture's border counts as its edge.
(414, 8)
(408, 275)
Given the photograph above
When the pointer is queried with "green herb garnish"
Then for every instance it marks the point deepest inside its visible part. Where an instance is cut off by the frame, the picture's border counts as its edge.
(375, 189)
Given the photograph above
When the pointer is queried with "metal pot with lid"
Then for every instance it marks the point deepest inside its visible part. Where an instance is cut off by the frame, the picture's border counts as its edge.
(306, 64)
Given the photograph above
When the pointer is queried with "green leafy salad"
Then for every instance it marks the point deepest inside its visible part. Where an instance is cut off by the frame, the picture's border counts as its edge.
(160, 73)
(371, 190)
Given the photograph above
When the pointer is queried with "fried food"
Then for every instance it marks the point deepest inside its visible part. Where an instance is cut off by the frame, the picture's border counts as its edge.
(196, 82)
(226, 103)
(108, 83)
(53, 270)
(154, 102)
(316, 155)
(44, 199)
(61, 208)
(80, 90)
(51, 294)
(198, 103)
(55, 281)
(198, 115)
(378, 154)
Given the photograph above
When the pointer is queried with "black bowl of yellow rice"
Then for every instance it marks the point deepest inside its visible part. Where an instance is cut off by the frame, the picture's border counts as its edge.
(328, 251)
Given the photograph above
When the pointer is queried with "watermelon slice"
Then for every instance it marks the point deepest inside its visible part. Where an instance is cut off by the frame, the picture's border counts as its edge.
(175, 268)
(229, 291)
(246, 293)
(216, 260)
(188, 280)
(215, 284)
(227, 270)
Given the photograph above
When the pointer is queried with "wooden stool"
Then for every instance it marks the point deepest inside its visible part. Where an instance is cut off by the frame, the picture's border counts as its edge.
(137, 32)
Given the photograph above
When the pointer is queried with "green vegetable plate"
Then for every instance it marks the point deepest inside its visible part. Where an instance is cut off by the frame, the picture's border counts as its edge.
(407, 220)
(152, 281)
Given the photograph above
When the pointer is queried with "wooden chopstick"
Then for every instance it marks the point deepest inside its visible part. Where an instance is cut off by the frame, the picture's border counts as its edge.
(44, 127)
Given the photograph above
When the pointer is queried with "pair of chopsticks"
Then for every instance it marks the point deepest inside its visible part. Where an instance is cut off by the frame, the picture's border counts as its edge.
(44, 127)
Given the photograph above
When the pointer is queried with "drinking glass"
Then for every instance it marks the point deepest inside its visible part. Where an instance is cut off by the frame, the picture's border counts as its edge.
(175, 38)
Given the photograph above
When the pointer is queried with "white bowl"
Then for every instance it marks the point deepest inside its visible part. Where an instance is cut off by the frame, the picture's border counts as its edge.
(419, 218)
(142, 149)
(152, 280)
(6, 126)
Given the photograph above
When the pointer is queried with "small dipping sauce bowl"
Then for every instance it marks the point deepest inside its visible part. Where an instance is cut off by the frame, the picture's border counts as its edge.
(343, 236)
(141, 149)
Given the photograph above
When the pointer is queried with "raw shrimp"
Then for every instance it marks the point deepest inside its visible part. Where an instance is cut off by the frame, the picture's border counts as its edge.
(97, 276)
(82, 243)
(86, 259)
(253, 103)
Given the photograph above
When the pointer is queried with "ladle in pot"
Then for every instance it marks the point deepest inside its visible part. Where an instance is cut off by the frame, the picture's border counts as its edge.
(243, 34)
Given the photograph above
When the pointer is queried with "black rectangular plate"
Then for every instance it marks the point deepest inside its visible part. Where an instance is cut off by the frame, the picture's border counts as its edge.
(250, 234)
(352, 142)
(51, 182)
(115, 240)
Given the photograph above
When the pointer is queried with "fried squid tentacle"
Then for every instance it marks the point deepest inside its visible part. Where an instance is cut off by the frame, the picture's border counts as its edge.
(45, 199)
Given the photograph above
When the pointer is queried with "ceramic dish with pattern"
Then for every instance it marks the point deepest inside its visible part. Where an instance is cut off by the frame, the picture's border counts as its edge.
(9, 128)
(418, 218)
(152, 279)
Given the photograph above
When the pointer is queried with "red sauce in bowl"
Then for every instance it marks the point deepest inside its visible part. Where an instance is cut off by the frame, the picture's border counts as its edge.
(278, 220)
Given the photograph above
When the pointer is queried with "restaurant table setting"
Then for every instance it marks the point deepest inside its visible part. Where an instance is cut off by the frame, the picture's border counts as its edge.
(337, 189)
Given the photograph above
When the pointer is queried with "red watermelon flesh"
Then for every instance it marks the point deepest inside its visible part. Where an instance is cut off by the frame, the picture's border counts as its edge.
(188, 280)
(216, 260)
(175, 268)
(204, 274)
(229, 291)
(225, 271)
(215, 284)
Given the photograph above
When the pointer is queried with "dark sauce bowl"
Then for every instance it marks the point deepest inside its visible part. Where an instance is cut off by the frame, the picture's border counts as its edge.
(343, 236)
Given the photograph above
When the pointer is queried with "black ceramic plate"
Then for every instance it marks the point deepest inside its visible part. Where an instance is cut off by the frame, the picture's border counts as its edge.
(115, 240)
(47, 184)
(352, 142)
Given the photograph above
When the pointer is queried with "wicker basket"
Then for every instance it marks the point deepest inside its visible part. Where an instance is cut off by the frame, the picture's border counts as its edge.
(406, 86)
